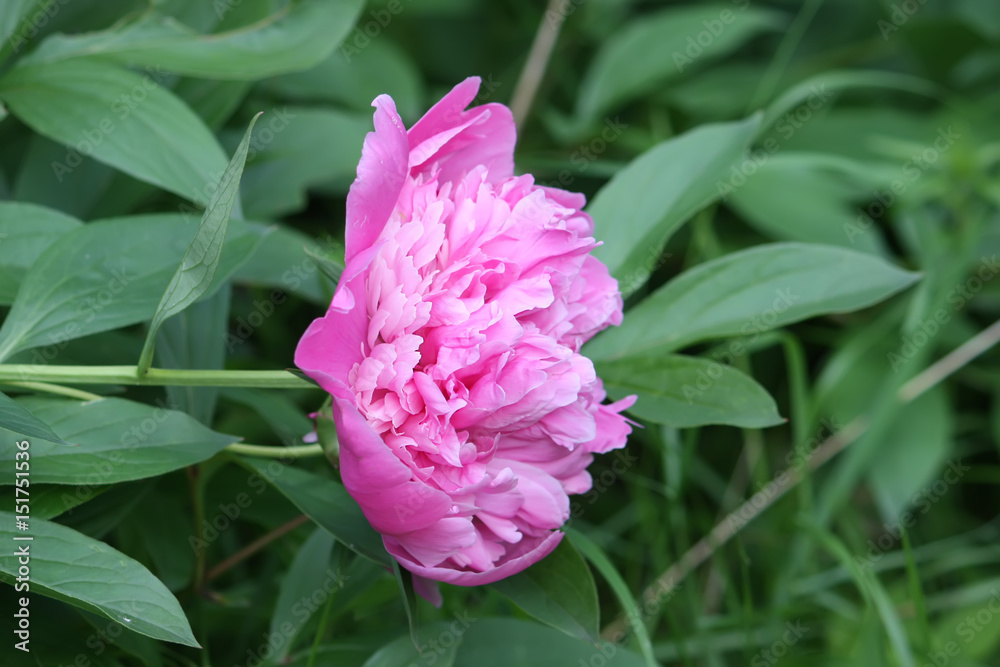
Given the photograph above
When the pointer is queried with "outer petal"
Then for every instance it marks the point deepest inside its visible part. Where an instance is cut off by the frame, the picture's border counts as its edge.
(392, 501)
(381, 172)
(486, 136)
(334, 343)
(522, 555)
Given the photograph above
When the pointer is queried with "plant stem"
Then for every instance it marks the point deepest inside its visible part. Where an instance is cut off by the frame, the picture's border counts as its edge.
(254, 547)
(156, 377)
(295, 452)
(537, 63)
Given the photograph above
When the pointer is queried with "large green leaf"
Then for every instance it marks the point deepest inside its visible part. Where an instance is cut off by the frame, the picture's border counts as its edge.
(89, 574)
(381, 68)
(120, 118)
(684, 392)
(558, 590)
(639, 209)
(26, 230)
(749, 292)
(105, 275)
(810, 197)
(308, 574)
(201, 260)
(327, 503)
(18, 420)
(660, 46)
(118, 440)
(295, 37)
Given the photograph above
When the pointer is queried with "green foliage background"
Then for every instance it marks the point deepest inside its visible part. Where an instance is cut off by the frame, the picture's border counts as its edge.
(799, 199)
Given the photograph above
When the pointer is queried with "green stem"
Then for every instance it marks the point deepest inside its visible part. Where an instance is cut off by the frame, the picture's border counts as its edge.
(296, 452)
(768, 82)
(56, 389)
(156, 377)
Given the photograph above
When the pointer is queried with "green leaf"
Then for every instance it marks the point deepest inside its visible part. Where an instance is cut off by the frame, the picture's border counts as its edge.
(120, 118)
(196, 339)
(162, 526)
(119, 440)
(661, 46)
(331, 267)
(600, 560)
(911, 453)
(810, 197)
(26, 230)
(120, 268)
(327, 503)
(558, 590)
(282, 261)
(658, 191)
(18, 420)
(403, 652)
(309, 572)
(684, 392)
(504, 642)
(354, 80)
(829, 82)
(51, 500)
(201, 261)
(77, 193)
(296, 37)
(89, 574)
(404, 580)
(749, 292)
(283, 169)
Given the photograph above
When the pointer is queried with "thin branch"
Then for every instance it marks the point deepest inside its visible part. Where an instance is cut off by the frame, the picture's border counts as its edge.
(538, 61)
(254, 547)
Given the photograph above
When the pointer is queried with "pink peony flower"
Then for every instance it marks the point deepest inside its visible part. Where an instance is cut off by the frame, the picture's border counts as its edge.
(465, 412)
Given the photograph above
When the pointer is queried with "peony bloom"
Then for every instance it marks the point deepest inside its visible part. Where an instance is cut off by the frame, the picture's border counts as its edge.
(465, 412)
